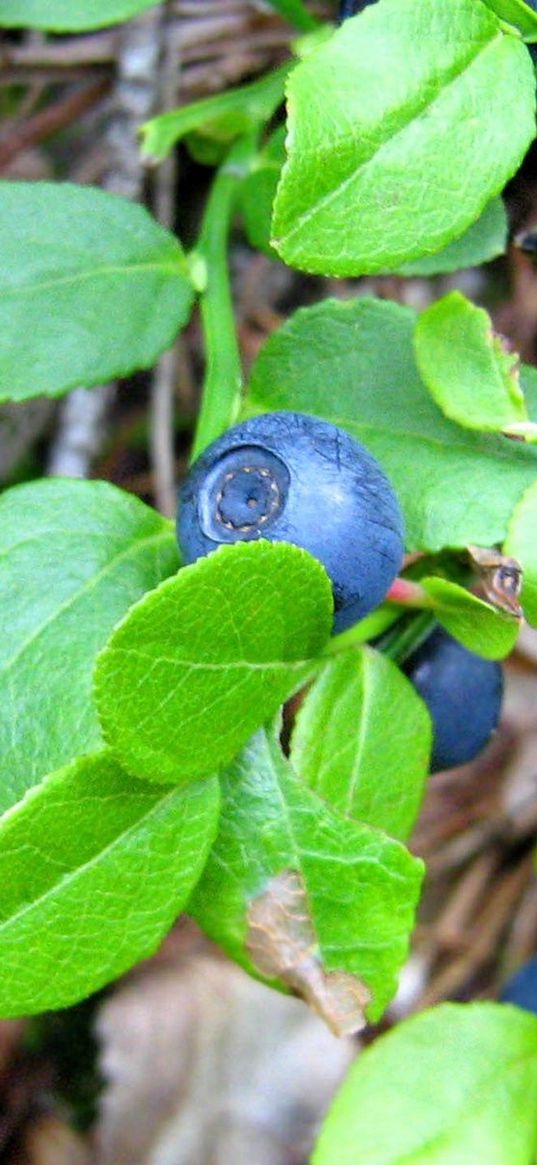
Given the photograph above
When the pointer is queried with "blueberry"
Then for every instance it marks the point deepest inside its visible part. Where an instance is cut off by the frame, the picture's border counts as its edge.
(463, 693)
(522, 987)
(288, 477)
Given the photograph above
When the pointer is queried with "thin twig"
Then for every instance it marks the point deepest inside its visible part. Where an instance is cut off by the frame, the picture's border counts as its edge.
(50, 120)
(98, 49)
(82, 422)
(161, 423)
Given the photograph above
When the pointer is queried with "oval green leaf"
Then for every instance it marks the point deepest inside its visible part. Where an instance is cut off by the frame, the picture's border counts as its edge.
(68, 15)
(74, 556)
(199, 664)
(398, 138)
(96, 284)
(454, 1085)
(362, 741)
(481, 628)
(354, 889)
(466, 367)
(94, 869)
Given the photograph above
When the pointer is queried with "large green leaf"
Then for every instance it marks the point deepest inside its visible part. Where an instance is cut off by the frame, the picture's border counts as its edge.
(94, 868)
(205, 659)
(452, 1086)
(74, 556)
(362, 741)
(353, 363)
(466, 367)
(521, 543)
(91, 287)
(68, 15)
(300, 893)
(402, 128)
(483, 241)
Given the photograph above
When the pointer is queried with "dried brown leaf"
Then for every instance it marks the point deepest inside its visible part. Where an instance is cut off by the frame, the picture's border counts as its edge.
(282, 944)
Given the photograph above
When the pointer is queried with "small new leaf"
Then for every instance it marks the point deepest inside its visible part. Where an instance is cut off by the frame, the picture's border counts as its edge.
(210, 655)
(482, 628)
(220, 118)
(466, 367)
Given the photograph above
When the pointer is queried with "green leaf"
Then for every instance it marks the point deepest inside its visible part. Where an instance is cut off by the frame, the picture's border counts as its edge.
(220, 118)
(301, 894)
(68, 15)
(515, 12)
(258, 190)
(296, 13)
(398, 139)
(353, 363)
(91, 287)
(478, 626)
(454, 1085)
(94, 869)
(199, 664)
(362, 741)
(521, 543)
(483, 241)
(74, 556)
(465, 366)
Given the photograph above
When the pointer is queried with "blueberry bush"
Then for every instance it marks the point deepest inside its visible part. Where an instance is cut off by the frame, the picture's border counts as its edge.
(143, 677)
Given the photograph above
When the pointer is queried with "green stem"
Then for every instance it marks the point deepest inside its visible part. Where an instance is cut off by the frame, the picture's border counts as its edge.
(400, 642)
(223, 374)
(375, 624)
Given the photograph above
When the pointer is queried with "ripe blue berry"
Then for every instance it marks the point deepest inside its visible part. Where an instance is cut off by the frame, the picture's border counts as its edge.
(463, 693)
(288, 477)
(522, 987)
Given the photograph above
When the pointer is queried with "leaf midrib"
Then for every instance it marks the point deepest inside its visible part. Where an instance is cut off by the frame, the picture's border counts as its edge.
(224, 665)
(96, 273)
